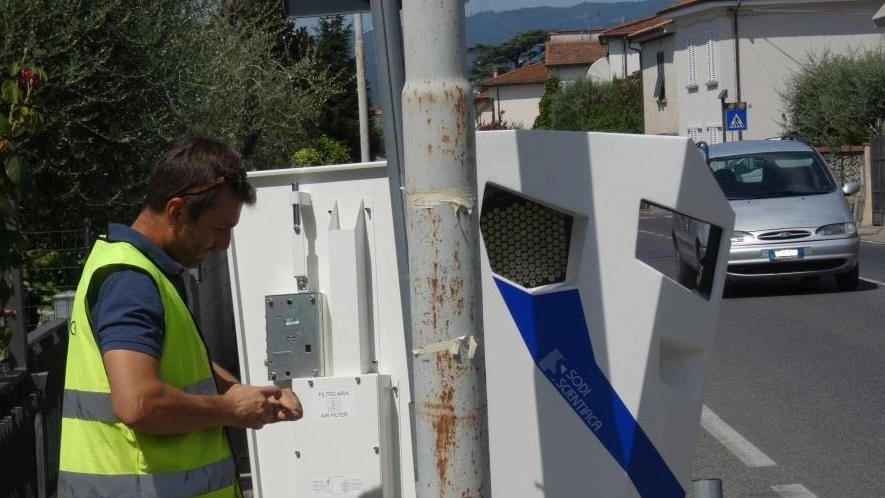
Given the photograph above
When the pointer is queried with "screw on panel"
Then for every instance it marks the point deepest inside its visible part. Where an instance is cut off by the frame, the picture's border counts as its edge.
(269, 303)
(313, 300)
(297, 454)
(358, 380)
(310, 383)
(377, 450)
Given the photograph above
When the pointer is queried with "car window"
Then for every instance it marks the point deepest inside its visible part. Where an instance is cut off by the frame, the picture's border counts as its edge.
(772, 174)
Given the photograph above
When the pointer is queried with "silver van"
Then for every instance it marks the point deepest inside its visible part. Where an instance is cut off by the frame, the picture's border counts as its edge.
(791, 217)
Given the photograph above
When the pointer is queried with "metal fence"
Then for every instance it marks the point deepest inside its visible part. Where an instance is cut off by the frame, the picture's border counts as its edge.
(53, 261)
(30, 416)
(877, 175)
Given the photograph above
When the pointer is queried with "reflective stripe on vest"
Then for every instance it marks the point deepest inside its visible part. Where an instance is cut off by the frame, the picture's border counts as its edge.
(86, 405)
(182, 484)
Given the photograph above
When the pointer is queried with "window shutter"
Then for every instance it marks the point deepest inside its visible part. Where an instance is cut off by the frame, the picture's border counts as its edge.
(714, 134)
(695, 134)
(712, 59)
(692, 58)
(660, 93)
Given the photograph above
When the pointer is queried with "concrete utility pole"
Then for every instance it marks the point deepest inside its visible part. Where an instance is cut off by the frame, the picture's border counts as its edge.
(451, 455)
(361, 86)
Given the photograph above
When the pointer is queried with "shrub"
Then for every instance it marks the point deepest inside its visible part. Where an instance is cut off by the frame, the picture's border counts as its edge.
(589, 106)
(836, 99)
(320, 151)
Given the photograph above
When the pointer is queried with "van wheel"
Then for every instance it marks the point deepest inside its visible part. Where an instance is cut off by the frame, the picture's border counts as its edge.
(848, 281)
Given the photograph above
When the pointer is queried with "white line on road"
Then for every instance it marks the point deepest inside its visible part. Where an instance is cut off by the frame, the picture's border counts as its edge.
(647, 232)
(873, 242)
(750, 455)
(793, 491)
(870, 280)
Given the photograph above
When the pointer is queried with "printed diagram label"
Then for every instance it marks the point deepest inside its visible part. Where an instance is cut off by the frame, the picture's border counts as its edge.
(333, 404)
(336, 485)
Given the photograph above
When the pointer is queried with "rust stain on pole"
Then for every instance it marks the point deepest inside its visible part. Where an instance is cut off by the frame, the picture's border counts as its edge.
(443, 420)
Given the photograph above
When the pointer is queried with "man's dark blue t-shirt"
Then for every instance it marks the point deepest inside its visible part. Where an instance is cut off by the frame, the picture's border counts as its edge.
(127, 312)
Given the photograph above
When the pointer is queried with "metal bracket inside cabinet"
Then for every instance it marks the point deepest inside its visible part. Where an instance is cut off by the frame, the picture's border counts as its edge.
(299, 199)
(295, 341)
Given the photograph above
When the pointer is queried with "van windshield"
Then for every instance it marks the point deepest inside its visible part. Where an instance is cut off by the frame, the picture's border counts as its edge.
(772, 174)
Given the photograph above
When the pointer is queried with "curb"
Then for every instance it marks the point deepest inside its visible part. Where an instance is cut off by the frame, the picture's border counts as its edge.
(871, 233)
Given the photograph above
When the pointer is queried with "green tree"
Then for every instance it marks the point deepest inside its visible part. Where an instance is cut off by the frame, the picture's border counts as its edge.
(552, 87)
(340, 118)
(522, 49)
(589, 106)
(322, 151)
(130, 78)
(19, 117)
(837, 99)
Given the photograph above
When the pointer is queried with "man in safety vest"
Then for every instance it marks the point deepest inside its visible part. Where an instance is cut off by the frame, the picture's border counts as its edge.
(144, 407)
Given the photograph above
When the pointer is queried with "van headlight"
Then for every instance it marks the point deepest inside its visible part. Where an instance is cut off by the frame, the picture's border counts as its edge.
(741, 237)
(838, 229)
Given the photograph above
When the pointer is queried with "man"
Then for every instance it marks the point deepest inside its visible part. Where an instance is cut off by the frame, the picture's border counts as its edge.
(144, 408)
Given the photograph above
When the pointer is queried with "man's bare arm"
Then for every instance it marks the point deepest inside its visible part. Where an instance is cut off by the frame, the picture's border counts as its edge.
(144, 402)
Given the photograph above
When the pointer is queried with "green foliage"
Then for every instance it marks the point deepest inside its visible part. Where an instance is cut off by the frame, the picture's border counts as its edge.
(340, 116)
(552, 87)
(19, 117)
(131, 78)
(322, 151)
(522, 49)
(588, 106)
(837, 99)
(501, 124)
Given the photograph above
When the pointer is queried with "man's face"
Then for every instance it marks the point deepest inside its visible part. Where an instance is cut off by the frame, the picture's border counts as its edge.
(211, 231)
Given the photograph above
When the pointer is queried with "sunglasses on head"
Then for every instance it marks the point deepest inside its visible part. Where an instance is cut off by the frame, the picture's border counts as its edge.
(236, 179)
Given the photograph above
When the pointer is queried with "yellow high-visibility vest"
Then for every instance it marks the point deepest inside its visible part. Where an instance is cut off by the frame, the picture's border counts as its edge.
(103, 458)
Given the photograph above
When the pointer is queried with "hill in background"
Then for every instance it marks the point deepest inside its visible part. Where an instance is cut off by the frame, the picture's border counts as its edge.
(496, 27)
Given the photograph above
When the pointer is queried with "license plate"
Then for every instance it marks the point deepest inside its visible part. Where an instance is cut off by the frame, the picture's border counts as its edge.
(779, 254)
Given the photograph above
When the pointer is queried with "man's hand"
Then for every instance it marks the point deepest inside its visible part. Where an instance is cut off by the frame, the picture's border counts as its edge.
(289, 407)
(253, 406)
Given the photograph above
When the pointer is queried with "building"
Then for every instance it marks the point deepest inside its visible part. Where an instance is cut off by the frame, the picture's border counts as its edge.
(623, 50)
(692, 66)
(513, 97)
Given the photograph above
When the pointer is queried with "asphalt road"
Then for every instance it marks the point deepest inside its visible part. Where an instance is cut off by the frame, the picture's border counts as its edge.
(797, 374)
(795, 389)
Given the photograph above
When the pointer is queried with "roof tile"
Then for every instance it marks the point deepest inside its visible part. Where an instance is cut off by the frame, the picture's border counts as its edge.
(633, 27)
(573, 52)
(533, 73)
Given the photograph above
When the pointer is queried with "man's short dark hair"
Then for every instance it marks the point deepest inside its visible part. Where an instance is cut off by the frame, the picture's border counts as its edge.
(196, 169)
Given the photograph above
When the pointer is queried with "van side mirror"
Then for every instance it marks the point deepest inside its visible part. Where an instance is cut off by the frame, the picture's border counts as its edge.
(850, 188)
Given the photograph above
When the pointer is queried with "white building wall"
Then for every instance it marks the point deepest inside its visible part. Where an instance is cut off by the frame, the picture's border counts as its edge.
(661, 118)
(517, 104)
(622, 60)
(775, 42)
(571, 73)
(699, 46)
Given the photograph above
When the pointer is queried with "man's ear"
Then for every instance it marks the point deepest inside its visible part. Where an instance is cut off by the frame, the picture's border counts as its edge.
(176, 212)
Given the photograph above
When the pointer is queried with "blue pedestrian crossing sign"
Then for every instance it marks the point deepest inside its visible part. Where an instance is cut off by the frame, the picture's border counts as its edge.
(736, 118)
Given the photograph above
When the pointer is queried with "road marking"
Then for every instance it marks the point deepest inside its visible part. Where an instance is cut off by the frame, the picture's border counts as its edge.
(873, 242)
(656, 234)
(750, 455)
(870, 280)
(793, 491)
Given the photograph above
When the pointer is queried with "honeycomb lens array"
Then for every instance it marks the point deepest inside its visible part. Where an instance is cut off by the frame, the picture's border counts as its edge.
(527, 243)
